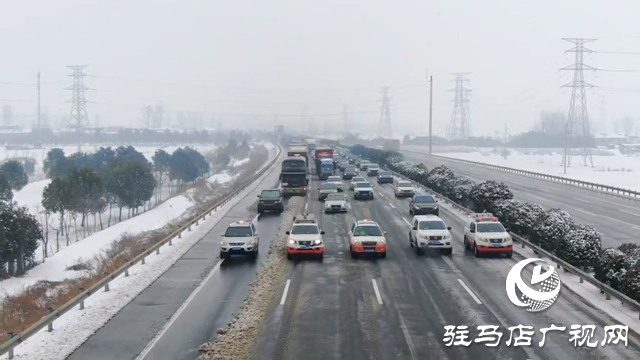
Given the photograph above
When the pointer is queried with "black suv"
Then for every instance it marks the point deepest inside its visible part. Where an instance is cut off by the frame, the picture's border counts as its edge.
(349, 173)
(270, 200)
(423, 205)
(385, 177)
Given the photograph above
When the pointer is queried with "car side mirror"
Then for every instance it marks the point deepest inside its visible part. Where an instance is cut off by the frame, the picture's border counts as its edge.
(256, 234)
(222, 234)
(258, 195)
(436, 200)
(472, 231)
(415, 228)
(507, 229)
(350, 233)
(384, 233)
(318, 188)
(322, 232)
(448, 227)
(288, 232)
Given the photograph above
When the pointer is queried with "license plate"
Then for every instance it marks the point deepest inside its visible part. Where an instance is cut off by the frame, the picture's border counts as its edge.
(236, 248)
(370, 250)
(436, 243)
(496, 245)
(305, 247)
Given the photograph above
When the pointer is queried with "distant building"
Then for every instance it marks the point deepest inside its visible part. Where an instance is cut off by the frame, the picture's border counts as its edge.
(612, 140)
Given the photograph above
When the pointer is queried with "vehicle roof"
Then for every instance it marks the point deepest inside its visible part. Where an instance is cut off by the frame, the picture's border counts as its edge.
(366, 222)
(427, 218)
(272, 189)
(405, 182)
(305, 219)
(241, 223)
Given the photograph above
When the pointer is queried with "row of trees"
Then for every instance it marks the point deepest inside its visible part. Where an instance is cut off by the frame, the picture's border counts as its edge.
(552, 229)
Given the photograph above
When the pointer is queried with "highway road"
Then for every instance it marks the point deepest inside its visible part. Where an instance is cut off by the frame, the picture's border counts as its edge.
(617, 219)
(397, 307)
(225, 286)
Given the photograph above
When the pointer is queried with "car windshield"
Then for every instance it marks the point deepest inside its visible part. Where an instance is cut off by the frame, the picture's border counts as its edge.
(367, 231)
(431, 225)
(350, 169)
(404, 184)
(238, 231)
(424, 199)
(335, 197)
(334, 179)
(358, 179)
(270, 194)
(305, 230)
(363, 184)
(327, 186)
(384, 173)
(373, 166)
(490, 228)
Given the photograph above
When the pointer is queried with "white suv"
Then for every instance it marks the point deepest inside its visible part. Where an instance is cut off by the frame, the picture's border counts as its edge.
(430, 232)
(336, 180)
(305, 237)
(355, 180)
(484, 234)
(241, 237)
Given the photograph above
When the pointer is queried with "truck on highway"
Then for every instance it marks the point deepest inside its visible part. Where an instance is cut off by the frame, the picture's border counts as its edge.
(294, 176)
(311, 145)
(299, 150)
(325, 166)
(392, 145)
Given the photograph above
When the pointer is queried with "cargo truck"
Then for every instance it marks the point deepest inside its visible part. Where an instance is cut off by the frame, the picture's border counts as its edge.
(325, 166)
(300, 150)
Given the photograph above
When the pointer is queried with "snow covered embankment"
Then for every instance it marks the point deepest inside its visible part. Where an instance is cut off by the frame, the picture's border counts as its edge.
(76, 326)
(237, 340)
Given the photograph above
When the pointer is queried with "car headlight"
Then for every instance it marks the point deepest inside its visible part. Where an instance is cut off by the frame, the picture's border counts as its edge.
(356, 241)
(435, 207)
(292, 242)
(447, 236)
(507, 239)
(483, 240)
(383, 241)
(221, 243)
(317, 242)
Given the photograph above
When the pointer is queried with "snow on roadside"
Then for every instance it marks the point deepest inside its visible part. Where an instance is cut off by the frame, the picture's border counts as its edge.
(76, 326)
(235, 341)
(236, 163)
(223, 177)
(591, 294)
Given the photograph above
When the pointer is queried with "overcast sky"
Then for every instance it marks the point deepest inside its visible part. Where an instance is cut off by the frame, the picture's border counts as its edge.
(245, 61)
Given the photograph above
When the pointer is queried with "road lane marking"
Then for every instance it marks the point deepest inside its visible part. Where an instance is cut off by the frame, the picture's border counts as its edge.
(450, 263)
(584, 201)
(349, 205)
(588, 213)
(407, 335)
(375, 289)
(286, 290)
(177, 314)
(390, 204)
(306, 206)
(629, 212)
(470, 292)
(407, 221)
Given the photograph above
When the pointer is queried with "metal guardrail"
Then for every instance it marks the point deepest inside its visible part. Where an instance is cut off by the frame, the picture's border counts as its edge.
(54, 314)
(601, 188)
(604, 288)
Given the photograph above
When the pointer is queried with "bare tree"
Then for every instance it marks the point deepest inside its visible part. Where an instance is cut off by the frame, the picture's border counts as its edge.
(147, 115)
(7, 115)
(627, 125)
(158, 116)
(551, 122)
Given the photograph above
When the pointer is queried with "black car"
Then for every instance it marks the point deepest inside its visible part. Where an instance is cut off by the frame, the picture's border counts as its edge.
(270, 200)
(349, 173)
(423, 205)
(385, 177)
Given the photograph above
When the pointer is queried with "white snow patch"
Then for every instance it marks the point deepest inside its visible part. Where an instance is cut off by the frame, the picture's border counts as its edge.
(236, 163)
(223, 177)
(76, 326)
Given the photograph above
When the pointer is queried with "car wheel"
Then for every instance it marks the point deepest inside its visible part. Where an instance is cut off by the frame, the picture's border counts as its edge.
(383, 255)
(475, 251)
(419, 251)
(465, 243)
(509, 254)
(289, 257)
(448, 251)
(223, 255)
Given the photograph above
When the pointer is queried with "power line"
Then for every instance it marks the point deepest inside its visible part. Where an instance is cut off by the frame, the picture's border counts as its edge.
(459, 127)
(578, 119)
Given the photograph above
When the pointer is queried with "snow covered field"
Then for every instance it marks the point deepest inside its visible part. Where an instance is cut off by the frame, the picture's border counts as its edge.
(72, 329)
(31, 196)
(610, 167)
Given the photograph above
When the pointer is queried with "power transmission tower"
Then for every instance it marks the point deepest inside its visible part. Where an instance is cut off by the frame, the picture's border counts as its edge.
(78, 118)
(384, 126)
(345, 119)
(459, 127)
(578, 120)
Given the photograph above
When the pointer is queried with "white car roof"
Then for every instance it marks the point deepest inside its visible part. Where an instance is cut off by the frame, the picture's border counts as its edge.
(427, 218)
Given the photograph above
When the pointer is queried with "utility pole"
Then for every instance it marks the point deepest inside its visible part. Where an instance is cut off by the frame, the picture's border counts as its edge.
(430, 80)
(505, 141)
(39, 121)
(78, 118)
(578, 119)
(566, 147)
